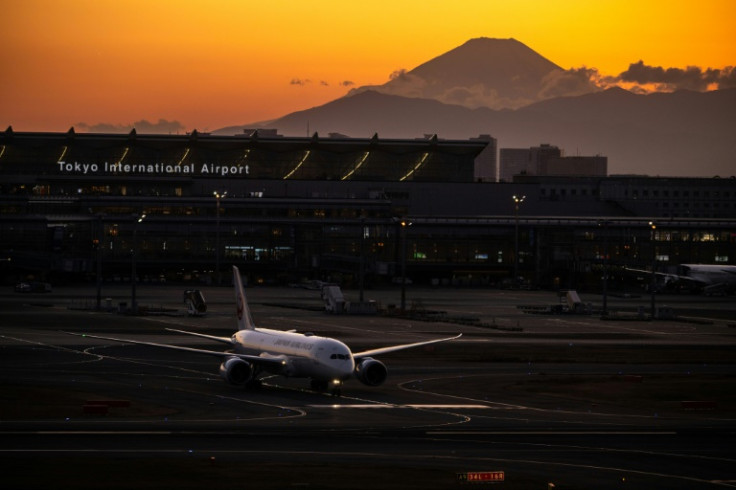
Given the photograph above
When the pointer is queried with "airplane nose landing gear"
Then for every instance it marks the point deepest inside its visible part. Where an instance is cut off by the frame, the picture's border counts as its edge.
(333, 387)
(336, 387)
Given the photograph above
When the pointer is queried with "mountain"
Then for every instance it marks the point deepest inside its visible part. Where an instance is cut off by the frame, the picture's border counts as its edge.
(683, 133)
(483, 72)
(669, 134)
(390, 116)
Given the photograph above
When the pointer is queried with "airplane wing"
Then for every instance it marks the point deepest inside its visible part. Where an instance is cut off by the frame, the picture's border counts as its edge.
(394, 348)
(262, 361)
(669, 278)
(719, 287)
(224, 340)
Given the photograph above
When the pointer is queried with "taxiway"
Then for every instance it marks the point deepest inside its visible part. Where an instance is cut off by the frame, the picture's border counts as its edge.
(568, 400)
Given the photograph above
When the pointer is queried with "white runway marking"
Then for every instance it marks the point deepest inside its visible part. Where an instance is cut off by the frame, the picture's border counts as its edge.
(392, 406)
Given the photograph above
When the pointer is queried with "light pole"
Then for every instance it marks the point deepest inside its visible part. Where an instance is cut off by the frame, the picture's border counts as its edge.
(133, 252)
(98, 252)
(653, 284)
(363, 236)
(404, 224)
(517, 200)
(605, 266)
(218, 196)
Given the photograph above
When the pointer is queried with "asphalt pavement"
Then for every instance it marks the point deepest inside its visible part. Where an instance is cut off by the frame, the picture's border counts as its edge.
(536, 399)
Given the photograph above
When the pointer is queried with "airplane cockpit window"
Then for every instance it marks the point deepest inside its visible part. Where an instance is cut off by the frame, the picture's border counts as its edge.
(343, 357)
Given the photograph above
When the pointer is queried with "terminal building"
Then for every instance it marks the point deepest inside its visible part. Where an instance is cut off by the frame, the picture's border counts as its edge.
(286, 209)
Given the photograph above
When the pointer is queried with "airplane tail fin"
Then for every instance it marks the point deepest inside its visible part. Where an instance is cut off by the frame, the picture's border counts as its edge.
(245, 321)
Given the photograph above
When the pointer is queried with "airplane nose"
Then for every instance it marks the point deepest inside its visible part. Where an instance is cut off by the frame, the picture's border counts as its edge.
(347, 371)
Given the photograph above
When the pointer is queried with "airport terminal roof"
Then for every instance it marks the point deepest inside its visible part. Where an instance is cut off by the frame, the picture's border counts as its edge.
(246, 156)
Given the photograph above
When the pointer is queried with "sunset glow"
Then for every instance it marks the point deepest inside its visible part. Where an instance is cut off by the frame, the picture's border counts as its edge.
(206, 65)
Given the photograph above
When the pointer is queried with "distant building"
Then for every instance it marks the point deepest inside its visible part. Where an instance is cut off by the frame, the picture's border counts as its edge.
(547, 160)
(261, 132)
(486, 167)
(525, 161)
(673, 197)
(576, 166)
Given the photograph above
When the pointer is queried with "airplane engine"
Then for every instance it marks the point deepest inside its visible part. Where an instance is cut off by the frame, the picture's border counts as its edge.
(236, 371)
(371, 372)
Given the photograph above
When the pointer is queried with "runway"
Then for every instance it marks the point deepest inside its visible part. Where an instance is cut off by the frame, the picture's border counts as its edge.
(571, 401)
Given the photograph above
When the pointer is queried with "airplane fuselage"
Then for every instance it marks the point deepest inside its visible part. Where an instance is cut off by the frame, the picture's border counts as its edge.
(305, 356)
(711, 273)
(711, 276)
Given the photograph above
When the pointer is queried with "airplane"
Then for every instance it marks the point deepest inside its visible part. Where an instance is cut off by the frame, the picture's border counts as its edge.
(710, 278)
(254, 351)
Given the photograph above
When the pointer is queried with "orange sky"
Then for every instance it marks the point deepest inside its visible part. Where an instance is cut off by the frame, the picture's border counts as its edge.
(209, 64)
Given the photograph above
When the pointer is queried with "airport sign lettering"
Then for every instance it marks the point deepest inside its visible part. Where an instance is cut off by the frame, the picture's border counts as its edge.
(153, 168)
(481, 477)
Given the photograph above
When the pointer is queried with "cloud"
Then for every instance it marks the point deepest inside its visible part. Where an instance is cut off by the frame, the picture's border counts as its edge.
(638, 78)
(670, 79)
(576, 81)
(347, 83)
(163, 126)
(303, 82)
(397, 74)
(728, 78)
(405, 84)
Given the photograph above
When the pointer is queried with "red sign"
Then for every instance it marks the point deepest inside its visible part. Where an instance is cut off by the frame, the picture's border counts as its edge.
(481, 476)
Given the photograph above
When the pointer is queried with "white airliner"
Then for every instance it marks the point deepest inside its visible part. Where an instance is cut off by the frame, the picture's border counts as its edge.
(253, 351)
(710, 278)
